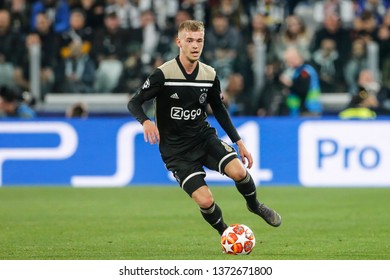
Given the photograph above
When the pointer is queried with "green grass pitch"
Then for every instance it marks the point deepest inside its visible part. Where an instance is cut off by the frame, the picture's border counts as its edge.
(140, 223)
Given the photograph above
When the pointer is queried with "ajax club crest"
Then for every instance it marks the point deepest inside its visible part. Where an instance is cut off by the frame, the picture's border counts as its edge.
(203, 97)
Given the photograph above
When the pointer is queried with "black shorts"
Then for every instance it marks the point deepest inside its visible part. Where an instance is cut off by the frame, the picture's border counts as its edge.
(188, 168)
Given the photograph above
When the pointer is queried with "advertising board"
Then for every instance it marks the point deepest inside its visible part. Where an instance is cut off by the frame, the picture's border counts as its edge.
(112, 153)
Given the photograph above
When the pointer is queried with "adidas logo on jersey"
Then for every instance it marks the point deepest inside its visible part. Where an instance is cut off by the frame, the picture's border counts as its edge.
(175, 96)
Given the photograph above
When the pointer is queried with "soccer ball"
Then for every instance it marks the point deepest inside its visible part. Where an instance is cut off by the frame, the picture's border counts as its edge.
(238, 239)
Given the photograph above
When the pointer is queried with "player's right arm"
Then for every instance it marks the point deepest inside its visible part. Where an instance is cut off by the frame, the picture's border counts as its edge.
(149, 90)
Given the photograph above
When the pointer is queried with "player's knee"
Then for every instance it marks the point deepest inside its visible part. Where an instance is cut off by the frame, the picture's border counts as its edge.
(235, 170)
(238, 174)
(206, 202)
(203, 197)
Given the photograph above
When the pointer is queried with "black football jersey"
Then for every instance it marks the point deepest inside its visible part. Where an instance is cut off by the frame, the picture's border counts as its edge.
(180, 101)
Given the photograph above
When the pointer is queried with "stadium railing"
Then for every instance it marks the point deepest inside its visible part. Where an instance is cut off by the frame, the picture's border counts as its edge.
(116, 103)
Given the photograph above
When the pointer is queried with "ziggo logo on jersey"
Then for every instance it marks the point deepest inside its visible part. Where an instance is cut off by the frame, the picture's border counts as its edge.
(178, 113)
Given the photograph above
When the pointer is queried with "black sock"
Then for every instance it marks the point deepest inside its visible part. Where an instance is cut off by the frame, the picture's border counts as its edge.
(247, 188)
(213, 215)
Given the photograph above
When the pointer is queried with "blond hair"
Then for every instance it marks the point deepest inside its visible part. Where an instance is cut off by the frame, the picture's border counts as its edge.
(191, 25)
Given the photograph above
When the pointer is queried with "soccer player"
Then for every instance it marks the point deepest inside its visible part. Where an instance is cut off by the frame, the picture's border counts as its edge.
(181, 89)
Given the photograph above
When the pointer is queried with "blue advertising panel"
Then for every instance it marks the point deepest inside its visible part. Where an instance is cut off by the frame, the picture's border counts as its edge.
(112, 153)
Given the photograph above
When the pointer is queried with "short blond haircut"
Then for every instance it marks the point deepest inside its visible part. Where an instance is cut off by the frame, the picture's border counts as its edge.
(191, 25)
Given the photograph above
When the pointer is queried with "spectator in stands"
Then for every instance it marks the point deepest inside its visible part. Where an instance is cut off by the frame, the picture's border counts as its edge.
(109, 50)
(150, 39)
(377, 7)
(233, 95)
(198, 9)
(327, 63)
(94, 12)
(332, 29)
(330, 7)
(77, 33)
(342, 8)
(77, 110)
(254, 60)
(141, 56)
(366, 27)
(57, 11)
(273, 10)
(303, 97)
(272, 101)
(20, 14)
(164, 11)
(356, 63)
(11, 47)
(233, 10)
(291, 5)
(268, 98)
(47, 40)
(75, 47)
(368, 83)
(12, 105)
(140, 62)
(384, 49)
(132, 78)
(361, 106)
(221, 47)
(293, 34)
(129, 13)
(77, 72)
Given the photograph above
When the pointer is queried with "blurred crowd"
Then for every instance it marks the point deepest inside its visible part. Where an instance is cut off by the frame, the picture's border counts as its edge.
(266, 52)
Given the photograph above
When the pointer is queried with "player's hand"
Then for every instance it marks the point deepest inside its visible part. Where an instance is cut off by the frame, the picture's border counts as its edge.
(151, 133)
(245, 155)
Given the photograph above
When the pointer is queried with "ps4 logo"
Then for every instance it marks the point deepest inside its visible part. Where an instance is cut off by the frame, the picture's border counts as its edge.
(94, 155)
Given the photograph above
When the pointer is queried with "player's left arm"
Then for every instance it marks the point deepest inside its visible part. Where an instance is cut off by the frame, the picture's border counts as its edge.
(223, 118)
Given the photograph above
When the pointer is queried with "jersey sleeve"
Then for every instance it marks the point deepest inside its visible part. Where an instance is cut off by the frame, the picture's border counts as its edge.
(220, 112)
(148, 91)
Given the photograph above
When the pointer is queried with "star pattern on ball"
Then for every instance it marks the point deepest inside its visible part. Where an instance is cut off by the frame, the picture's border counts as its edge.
(238, 239)
(227, 247)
